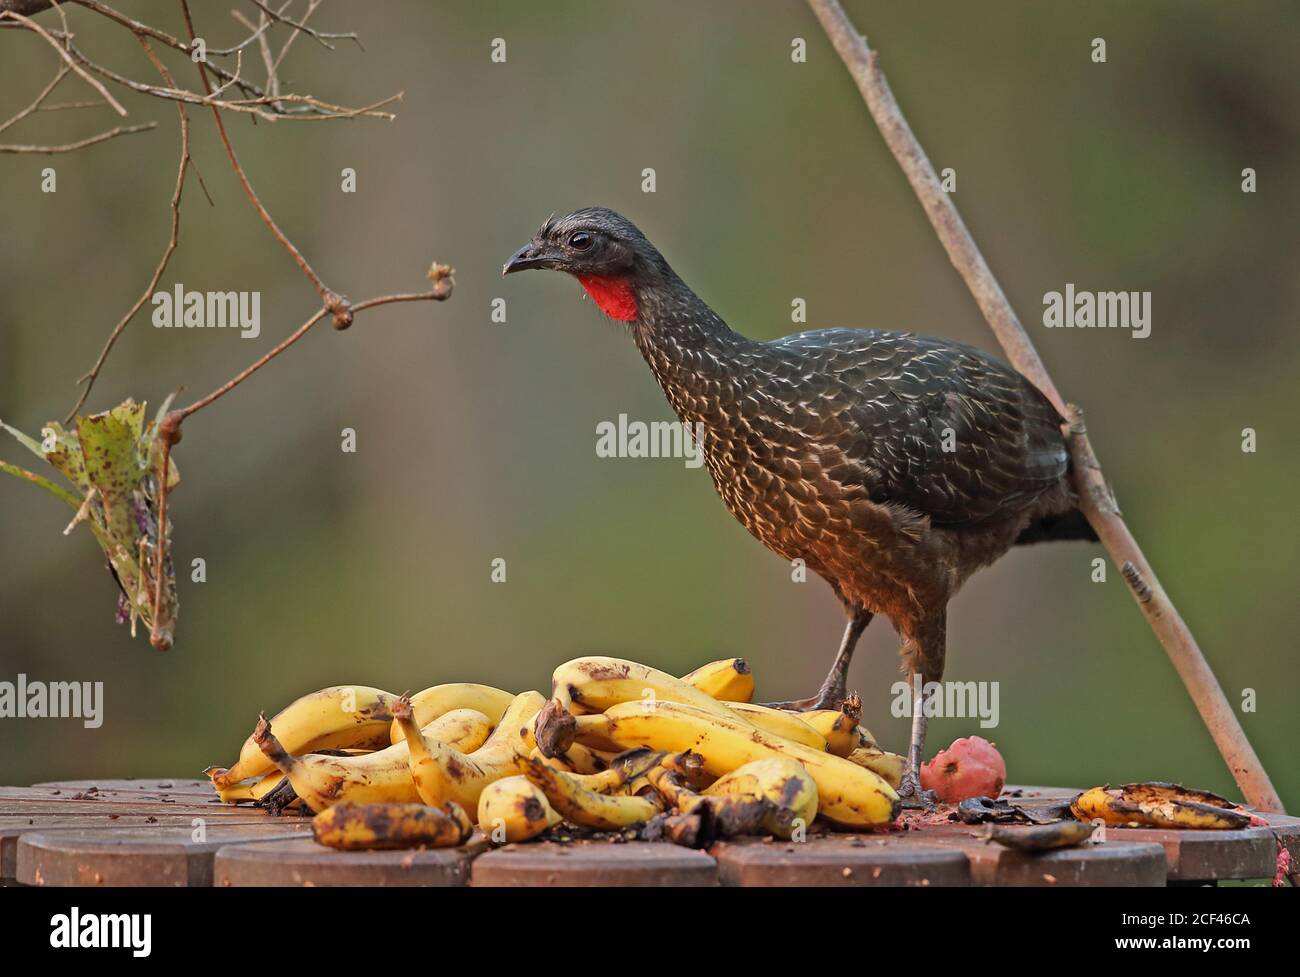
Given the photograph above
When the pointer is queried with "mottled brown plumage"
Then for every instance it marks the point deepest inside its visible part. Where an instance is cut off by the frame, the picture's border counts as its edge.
(893, 465)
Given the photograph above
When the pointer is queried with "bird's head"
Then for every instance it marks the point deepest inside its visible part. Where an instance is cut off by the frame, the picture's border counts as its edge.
(600, 248)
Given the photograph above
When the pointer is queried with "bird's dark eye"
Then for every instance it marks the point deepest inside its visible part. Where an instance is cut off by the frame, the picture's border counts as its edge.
(580, 241)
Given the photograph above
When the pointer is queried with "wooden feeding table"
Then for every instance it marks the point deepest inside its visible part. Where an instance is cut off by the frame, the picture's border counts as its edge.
(172, 832)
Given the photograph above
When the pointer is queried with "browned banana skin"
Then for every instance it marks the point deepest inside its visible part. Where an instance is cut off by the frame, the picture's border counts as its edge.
(1042, 837)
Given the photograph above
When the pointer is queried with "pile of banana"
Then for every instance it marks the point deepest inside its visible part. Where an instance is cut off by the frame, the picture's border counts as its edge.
(620, 747)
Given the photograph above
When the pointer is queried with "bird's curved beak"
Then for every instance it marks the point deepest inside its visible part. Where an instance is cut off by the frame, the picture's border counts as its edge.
(529, 256)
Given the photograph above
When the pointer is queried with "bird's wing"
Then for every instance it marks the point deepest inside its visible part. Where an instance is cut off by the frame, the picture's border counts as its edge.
(941, 428)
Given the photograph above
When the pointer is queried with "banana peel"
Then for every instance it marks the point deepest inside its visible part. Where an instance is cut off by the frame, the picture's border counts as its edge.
(1156, 804)
(1042, 837)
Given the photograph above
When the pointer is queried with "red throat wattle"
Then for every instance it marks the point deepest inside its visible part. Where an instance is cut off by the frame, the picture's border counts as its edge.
(615, 296)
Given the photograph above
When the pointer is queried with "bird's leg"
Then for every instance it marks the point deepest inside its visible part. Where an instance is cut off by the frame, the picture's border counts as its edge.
(910, 787)
(835, 689)
(924, 652)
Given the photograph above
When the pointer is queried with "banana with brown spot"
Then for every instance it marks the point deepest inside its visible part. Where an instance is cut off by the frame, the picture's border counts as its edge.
(579, 804)
(598, 683)
(437, 700)
(353, 827)
(512, 809)
(380, 777)
(849, 795)
(781, 722)
(443, 773)
(839, 729)
(340, 717)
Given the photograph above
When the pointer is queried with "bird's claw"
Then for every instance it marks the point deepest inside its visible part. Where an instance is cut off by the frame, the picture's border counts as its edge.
(913, 796)
(824, 699)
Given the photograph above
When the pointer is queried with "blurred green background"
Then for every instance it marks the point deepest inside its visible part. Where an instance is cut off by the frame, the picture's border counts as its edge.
(476, 439)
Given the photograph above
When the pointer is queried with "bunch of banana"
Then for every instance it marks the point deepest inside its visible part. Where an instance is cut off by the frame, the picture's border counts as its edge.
(849, 795)
(619, 744)
(382, 777)
(512, 809)
(352, 826)
(1159, 805)
(442, 772)
(340, 717)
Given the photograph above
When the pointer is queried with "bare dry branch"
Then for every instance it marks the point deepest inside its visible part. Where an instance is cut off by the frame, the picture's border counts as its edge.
(301, 26)
(1094, 495)
(63, 53)
(92, 374)
(35, 105)
(72, 147)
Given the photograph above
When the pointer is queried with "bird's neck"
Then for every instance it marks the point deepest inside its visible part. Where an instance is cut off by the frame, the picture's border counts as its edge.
(688, 346)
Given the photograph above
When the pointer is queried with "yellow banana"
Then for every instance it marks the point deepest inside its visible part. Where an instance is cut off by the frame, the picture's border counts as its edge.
(250, 790)
(728, 680)
(358, 826)
(380, 777)
(839, 729)
(582, 806)
(598, 683)
(888, 765)
(674, 789)
(625, 769)
(848, 794)
(865, 738)
(775, 796)
(781, 722)
(584, 760)
(442, 773)
(335, 718)
(439, 699)
(512, 809)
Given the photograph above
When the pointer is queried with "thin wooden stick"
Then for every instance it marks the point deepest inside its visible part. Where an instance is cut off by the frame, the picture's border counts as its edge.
(1095, 499)
(72, 147)
(91, 375)
(92, 82)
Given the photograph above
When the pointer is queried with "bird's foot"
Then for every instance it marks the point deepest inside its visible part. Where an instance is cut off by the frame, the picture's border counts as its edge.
(913, 797)
(832, 698)
(822, 700)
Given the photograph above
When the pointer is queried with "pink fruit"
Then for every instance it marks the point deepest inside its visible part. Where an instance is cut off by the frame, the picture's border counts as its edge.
(971, 767)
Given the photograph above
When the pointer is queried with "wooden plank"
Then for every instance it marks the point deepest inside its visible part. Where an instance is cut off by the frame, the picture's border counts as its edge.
(1033, 792)
(174, 785)
(75, 808)
(75, 796)
(1202, 856)
(838, 861)
(158, 856)
(594, 863)
(303, 862)
(13, 828)
(1114, 863)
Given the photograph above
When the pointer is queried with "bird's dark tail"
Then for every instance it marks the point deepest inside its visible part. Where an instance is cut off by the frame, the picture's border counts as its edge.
(1070, 525)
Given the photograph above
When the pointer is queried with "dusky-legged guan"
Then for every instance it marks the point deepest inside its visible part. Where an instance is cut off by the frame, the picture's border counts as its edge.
(893, 465)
